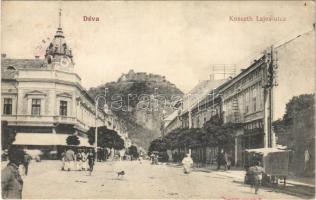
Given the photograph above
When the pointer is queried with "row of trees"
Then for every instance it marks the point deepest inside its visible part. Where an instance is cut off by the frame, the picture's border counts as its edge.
(214, 133)
(107, 138)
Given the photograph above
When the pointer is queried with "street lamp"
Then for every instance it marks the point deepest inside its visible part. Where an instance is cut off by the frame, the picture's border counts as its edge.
(97, 98)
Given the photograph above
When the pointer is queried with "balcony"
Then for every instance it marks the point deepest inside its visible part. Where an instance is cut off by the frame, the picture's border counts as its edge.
(41, 120)
(65, 119)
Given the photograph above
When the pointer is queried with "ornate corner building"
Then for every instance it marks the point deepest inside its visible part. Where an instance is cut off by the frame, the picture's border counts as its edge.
(43, 100)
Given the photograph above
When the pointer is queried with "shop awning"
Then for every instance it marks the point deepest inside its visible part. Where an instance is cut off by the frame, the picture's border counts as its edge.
(46, 139)
(266, 151)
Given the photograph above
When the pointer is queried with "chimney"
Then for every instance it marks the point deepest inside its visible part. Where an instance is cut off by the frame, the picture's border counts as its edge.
(3, 55)
(36, 57)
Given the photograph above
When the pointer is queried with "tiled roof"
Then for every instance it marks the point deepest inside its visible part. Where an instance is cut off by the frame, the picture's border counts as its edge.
(23, 63)
(19, 64)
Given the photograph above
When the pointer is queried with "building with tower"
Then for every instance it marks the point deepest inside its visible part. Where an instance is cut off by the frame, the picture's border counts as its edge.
(44, 102)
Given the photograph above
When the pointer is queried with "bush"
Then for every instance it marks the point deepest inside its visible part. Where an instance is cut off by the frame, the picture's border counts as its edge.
(73, 140)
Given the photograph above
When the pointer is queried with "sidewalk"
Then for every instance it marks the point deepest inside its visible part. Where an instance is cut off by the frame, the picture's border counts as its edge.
(239, 173)
(294, 185)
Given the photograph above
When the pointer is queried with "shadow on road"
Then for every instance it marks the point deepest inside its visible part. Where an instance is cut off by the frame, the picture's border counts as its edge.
(298, 192)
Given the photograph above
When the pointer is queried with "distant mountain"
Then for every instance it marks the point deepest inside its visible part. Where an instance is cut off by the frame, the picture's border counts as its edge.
(142, 100)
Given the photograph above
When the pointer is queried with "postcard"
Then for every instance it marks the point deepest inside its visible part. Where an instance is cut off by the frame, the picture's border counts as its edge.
(158, 100)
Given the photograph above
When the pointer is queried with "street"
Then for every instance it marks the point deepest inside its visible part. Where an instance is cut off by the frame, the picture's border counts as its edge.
(141, 180)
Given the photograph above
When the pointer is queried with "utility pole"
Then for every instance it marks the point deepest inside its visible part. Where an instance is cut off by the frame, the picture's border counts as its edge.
(269, 80)
(189, 111)
(96, 129)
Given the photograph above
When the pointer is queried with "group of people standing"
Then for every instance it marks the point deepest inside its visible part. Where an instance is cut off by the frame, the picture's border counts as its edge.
(82, 159)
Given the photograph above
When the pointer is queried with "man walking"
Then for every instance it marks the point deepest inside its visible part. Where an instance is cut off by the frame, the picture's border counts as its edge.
(26, 162)
(220, 159)
(257, 172)
(91, 161)
(227, 161)
(11, 181)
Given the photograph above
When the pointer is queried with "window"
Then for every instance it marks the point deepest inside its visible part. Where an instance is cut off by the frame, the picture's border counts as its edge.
(7, 106)
(254, 104)
(247, 101)
(63, 108)
(36, 107)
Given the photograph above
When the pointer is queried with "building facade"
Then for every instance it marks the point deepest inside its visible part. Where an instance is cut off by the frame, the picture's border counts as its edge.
(44, 102)
(243, 102)
(241, 99)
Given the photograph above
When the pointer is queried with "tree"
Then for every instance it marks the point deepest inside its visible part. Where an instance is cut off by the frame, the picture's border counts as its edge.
(73, 140)
(219, 134)
(298, 120)
(159, 144)
(107, 138)
(214, 133)
(132, 150)
(297, 131)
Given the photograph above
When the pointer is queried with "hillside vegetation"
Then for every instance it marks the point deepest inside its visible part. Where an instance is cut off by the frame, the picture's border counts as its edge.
(141, 100)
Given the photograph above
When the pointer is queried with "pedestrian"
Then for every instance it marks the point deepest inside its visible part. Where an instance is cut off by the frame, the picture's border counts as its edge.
(187, 163)
(84, 164)
(11, 181)
(140, 159)
(307, 157)
(220, 159)
(152, 157)
(69, 159)
(63, 160)
(256, 172)
(79, 160)
(227, 161)
(91, 161)
(26, 162)
(156, 159)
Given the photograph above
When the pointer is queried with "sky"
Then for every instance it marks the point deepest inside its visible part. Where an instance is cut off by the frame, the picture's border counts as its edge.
(177, 39)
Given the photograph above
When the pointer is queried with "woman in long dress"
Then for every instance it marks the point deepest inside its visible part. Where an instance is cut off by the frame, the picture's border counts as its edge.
(187, 163)
(84, 160)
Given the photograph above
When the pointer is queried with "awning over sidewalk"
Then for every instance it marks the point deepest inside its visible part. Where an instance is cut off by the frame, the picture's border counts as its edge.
(266, 151)
(46, 139)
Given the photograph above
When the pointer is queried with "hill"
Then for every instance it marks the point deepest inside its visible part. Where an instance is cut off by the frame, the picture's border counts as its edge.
(142, 100)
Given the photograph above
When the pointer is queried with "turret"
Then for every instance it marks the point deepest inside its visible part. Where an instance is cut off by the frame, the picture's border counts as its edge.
(58, 53)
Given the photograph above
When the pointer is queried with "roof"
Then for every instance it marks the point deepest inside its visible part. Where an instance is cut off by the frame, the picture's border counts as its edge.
(17, 64)
(46, 139)
(171, 117)
(23, 63)
(201, 91)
